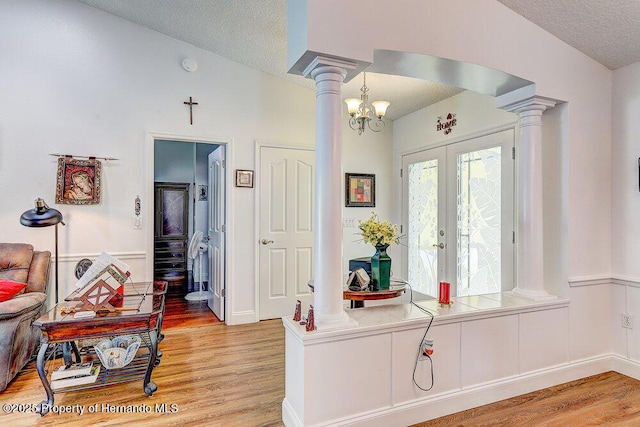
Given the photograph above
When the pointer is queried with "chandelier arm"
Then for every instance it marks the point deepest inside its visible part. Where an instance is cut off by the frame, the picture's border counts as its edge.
(378, 125)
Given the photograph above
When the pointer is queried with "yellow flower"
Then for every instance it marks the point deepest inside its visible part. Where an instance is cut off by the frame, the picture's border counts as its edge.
(376, 232)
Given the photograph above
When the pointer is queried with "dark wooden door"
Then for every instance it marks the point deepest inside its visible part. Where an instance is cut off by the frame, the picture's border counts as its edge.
(171, 234)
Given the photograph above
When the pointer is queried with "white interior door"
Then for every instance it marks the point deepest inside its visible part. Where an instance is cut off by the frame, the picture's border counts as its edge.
(217, 185)
(285, 239)
(458, 209)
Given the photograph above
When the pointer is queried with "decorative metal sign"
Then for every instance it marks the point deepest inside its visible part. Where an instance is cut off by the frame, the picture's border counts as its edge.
(446, 125)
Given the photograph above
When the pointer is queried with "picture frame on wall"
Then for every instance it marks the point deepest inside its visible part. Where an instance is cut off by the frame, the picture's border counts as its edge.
(244, 178)
(78, 181)
(360, 190)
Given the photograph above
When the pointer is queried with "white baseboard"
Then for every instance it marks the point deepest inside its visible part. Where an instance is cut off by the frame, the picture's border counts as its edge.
(626, 367)
(448, 403)
(289, 416)
(240, 317)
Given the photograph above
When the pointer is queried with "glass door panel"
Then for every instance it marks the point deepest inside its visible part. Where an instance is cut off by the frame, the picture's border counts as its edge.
(479, 202)
(424, 215)
(423, 226)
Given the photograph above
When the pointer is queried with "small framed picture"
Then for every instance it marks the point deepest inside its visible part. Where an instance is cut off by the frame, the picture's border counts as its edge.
(360, 190)
(244, 178)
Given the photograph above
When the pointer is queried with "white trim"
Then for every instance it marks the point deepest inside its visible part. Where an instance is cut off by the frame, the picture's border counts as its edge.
(626, 281)
(468, 136)
(432, 407)
(303, 337)
(240, 317)
(289, 416)
(258, 145)
(150, 138)
(630, 368)
(575, 282)
(120, 255)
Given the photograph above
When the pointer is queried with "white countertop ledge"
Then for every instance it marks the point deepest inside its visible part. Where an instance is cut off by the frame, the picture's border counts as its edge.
(382, 319)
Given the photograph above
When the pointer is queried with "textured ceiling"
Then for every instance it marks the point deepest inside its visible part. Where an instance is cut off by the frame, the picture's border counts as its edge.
(254, 33)
(607, 31)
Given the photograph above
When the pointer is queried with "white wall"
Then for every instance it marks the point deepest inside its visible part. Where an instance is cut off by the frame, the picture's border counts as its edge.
(370, 152)
(76, 80)
(625, 190)
(625, 208)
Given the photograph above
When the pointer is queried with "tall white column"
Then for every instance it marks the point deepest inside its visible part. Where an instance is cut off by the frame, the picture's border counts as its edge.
(529, 236)
(327, 259)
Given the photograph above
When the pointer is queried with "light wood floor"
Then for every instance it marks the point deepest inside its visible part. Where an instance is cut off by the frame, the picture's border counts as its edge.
(217, 375)
(607, 399)
(220, 375)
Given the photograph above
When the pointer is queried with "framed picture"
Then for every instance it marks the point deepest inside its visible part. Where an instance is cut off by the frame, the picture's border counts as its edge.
(78, 181)
(244, 178)
(360, 190)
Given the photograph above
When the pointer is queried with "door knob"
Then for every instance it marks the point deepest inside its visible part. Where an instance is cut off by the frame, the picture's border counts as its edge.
(266, 242)
(441, 245)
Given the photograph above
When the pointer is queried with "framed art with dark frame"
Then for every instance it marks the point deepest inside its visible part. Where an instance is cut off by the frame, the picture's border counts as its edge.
(359, 190)
(244, 178)
(78, 181)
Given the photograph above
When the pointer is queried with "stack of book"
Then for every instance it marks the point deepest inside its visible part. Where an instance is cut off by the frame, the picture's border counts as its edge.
(74, 374)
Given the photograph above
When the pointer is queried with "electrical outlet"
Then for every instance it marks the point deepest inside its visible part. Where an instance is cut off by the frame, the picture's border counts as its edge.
(426, 348)
(627, 321)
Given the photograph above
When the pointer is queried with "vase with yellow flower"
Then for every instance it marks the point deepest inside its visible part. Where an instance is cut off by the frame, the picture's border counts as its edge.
(380, 234)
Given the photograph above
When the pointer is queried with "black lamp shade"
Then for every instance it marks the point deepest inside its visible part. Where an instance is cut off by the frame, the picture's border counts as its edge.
(41, 216)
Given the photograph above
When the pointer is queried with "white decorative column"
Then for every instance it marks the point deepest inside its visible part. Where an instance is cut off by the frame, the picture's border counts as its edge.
(327, 257)
(529, 236)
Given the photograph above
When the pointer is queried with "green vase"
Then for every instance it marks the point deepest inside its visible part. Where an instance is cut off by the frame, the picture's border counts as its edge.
(381, 268)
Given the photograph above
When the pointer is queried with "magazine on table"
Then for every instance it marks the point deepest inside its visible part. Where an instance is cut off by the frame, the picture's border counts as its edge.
(107, 268)
(78, 379)
(75, 369)
(98, 266)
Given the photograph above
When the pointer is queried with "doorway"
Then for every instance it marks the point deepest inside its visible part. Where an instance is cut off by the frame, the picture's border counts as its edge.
(285, 244)
(458, 207)
(187, 162)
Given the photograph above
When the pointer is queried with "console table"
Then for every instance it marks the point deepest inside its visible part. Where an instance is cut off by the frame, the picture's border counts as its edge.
(141, 314)
(358, 298)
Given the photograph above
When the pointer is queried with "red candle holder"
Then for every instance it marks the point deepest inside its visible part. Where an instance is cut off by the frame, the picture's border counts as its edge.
(445, 293)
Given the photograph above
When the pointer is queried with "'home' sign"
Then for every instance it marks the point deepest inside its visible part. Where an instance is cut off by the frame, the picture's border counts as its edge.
(447, 124)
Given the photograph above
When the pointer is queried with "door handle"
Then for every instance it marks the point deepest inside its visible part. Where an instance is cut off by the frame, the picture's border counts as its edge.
(266, 242)
(441, 245)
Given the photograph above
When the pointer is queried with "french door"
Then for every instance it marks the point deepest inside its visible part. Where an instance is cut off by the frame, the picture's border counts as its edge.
(458, 214)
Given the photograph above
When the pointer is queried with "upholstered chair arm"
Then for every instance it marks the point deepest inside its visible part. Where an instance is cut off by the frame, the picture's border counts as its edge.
(38, 279)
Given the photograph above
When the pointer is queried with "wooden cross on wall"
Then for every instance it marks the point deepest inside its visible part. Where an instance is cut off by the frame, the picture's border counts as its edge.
(190, 104)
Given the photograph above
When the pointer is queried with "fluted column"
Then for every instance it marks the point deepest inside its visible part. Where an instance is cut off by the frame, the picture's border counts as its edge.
(327, 258)
(529, 236)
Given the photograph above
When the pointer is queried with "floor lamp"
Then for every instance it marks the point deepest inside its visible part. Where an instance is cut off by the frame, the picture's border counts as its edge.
(44, 216)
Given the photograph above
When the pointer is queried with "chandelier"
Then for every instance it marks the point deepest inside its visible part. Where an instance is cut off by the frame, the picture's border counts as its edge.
(361, 113)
